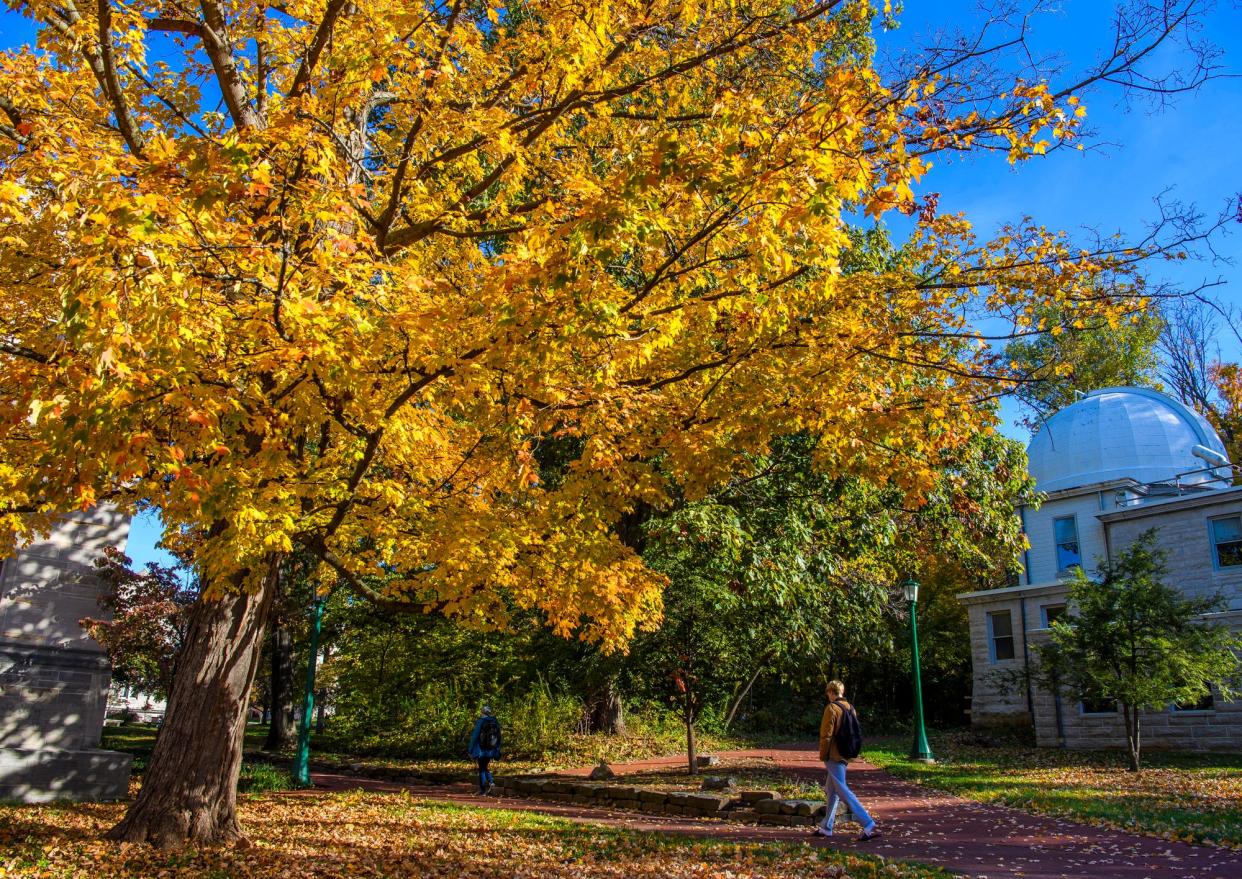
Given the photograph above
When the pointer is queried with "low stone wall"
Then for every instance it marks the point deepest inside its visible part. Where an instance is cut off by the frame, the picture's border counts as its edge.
(757, 807)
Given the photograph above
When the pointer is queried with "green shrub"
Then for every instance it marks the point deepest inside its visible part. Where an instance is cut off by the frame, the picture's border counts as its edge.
(437, 721)
(257, 778)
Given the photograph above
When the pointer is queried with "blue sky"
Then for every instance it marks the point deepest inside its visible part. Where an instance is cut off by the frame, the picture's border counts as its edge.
(1189, 151)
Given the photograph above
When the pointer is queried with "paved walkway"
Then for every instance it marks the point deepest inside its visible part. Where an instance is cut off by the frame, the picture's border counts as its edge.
(983, 841)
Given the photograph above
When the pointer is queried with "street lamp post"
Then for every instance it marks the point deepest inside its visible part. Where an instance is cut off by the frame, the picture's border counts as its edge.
(301, 763)
(920, 750)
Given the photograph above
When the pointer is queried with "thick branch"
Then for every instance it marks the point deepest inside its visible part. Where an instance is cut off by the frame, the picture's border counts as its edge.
(232, 87)
(323, 34)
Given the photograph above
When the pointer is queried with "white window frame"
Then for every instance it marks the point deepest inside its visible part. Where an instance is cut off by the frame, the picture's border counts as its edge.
(992, 636)
(1211, 529)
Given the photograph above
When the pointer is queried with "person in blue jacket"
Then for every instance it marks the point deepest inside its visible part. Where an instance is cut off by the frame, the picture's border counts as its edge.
(485, 747)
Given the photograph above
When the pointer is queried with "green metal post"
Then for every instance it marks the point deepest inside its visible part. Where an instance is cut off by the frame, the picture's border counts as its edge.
(920, 750)
(301, 764)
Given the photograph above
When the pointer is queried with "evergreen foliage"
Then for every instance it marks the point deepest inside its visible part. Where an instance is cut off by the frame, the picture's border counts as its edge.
(1134, 639)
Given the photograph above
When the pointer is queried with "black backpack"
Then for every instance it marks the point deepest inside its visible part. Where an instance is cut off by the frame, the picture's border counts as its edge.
(489, 734)
(849, 733)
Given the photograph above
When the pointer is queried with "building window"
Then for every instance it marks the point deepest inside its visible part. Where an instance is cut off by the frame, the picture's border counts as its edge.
(1227, 541)
(1099, 706)
(1065, 532)
(1207, 703)
(1000, 635)
(1051, 613)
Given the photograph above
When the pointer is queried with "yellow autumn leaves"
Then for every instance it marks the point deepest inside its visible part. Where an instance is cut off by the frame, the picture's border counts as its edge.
(441, 295)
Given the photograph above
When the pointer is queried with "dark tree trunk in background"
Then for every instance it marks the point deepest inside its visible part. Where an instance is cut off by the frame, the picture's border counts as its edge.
(739, 699)
(283, 729)
(1130, 714)
(603, 711)
(608, 715)
(189, 791)
(692, 756)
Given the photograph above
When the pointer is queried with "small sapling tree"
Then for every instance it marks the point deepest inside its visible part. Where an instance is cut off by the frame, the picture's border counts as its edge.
(1134, 639)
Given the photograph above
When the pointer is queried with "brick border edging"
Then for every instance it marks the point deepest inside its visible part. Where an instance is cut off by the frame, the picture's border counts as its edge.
(746, 807)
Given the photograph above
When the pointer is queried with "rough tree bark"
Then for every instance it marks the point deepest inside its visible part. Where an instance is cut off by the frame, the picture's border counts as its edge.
(603, 711)
(608, 714)
(189, 791)
(283, 729)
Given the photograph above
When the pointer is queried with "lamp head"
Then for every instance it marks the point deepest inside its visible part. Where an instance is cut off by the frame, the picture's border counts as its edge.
(910, 589)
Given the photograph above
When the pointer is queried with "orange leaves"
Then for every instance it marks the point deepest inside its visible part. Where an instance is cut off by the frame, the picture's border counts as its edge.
(349, 835)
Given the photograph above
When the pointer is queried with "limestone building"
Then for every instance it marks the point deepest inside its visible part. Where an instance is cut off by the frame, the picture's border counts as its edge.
(1112, 465)
(53, 675)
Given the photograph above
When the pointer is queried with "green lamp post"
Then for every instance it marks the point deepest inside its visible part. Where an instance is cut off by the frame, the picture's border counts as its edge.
(301, 763)
(920, 750)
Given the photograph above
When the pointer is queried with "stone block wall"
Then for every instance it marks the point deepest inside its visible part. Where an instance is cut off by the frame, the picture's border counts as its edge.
(1219, 729)
(998, 697)
(756, 807)
(53, 676)
(51, 698)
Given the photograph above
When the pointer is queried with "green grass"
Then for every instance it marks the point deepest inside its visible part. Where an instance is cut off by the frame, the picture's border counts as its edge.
(579, 750)
(258, 775)
(1188, 796)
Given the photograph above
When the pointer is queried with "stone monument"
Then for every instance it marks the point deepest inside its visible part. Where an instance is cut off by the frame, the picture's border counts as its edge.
(53, 676)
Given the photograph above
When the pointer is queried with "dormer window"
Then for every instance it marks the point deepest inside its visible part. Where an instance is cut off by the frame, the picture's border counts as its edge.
(1065, 532)
(1227, 541)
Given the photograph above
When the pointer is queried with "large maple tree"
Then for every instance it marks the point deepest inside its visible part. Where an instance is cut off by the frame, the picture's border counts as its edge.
(321, 274)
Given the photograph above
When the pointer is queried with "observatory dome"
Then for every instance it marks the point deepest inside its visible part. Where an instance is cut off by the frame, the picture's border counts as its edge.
(1119, 433)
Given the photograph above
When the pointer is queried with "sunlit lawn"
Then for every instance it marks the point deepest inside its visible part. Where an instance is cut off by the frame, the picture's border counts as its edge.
(259, 773)
(329, 755)
(392, 835)
(1194, 797)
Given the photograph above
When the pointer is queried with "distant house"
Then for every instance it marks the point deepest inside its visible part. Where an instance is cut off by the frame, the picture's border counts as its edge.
(126, 702)
(1114, 464)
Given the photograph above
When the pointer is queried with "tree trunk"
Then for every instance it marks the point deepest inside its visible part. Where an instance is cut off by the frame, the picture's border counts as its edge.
(603, 711)
(610, 713)
(1131, 715)
(283, 729)
(189, 791)
(740, 698)
(692, 756)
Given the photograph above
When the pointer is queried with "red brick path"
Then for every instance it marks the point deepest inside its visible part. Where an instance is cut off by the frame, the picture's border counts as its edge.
(975, 839)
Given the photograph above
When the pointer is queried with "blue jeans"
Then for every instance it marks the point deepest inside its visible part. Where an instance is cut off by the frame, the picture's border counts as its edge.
(838, 791)
(485, 774)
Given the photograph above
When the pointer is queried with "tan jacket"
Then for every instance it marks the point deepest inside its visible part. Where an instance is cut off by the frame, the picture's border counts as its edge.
(828, 750)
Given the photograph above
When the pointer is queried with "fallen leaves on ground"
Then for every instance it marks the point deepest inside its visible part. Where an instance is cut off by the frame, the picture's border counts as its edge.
(394, 835)
(1193, 798)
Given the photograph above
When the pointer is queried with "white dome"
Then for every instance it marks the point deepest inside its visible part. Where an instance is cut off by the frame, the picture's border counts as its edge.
(1119, 433)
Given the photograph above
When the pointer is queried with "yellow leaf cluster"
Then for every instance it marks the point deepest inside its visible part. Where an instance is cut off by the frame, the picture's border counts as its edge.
(443, 298)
